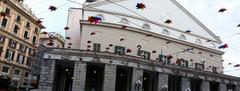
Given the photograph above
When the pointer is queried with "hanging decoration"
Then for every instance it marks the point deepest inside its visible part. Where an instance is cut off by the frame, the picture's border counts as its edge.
(107, 48)
(44, 32)
(149, 35)
(168, 42)
(3, 14)
(50, 44)
(69, 43)
(68, 38)
(154, 51)
(222, 10)
(223, 46)
(52, 8)
(139, 46)
(122, 39)
(110, 45)
(92, 33)
(191, 60)
(168, 21)
(237, 65)
(89, 41)
(199, 52)
(129, 50)
(90, 1)
(229, 63)
(69, 46)
(66, 28)
(94, 19)
(208, 40)
(39, 21)
(88, 46)
(188, 31)
(238, 25)
(141, 6)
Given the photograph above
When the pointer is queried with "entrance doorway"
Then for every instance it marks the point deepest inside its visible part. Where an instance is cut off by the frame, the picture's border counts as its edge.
(94, 77)
(195, 84)
(174, 83)
(214, 86)
(123, 78)
(150, 81)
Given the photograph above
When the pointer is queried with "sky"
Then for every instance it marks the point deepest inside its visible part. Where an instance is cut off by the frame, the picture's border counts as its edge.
(222, 24)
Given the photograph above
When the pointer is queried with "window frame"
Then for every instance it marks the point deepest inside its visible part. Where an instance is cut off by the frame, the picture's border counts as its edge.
(119, 50)
(96, 47)
(144, 54)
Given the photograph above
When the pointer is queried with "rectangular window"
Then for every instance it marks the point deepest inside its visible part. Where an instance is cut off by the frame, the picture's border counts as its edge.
(7, 11)
(17, 72)
(144, 54)
(29, 62)
(2, 38)
(119, 50)
(4, 23)
(26, 74)
(18, 19)
(28, 25)
(12, 43)
(34, 39)
(26, 35)
(15, 29)
(199, 66)
(5, 69)
(22, 48)
(20, 58)
(9, 54)
(36, 30)
(96, 47)
(1, 50)
(182, 62)
(214, 69)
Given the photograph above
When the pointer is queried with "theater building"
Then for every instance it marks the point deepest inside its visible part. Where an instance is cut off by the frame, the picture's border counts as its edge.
(127, 49)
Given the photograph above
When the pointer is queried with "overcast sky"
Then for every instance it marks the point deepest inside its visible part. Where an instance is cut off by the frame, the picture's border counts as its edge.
(222, 24)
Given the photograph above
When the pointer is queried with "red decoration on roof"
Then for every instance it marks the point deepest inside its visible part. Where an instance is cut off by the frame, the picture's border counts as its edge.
(52, 8)
(140, 6)
(223, 46)
(66, 28)
(129, 50)
(222, 10)
(68, 38)
(168, 21)
(94, 19)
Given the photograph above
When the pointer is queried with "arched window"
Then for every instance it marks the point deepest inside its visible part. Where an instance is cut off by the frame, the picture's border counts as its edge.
(182, 37)
(101, 16)
(212, 45)
(165, 31)
(198, 41)
(146, 26)
(124, 21)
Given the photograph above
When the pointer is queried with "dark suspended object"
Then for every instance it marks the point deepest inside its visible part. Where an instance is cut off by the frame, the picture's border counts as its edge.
(140, 6)
(191, 60)
(45, 32)
(66, 28)
(94, 19)
(122, 39)
(222, 60)
(52, 8)
(16, 27)
(69, 46)
(238, 25)
(222, 10)
(223, 46)
(88, 49)
(154, 51)
(89, 41)
(129, 50)
(20, 0)
(139, 46)
(90, 1)
(199, 52)
(149, 35)
(110, 45)
(188, 31)
(39, 22)
(3, 14)
(88, 46)
(211, 55)
(69, 43)
(237, 65)
(107, 48)
(168, 42)
(92, 33)
(124, 27)
(208, 40)
(168, 21)
(169, 57)
(229, 63)
(68, 38)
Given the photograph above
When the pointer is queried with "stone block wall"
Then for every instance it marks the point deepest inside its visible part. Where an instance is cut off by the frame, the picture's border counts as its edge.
(79, 76)
(110, 72)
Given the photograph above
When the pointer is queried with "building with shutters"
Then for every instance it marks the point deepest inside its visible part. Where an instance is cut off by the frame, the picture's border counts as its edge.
(19, 39)
(117, 47)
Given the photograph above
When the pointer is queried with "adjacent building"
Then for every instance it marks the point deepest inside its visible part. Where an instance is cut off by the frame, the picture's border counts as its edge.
(19, 39)
(117, 47)
(52, 39)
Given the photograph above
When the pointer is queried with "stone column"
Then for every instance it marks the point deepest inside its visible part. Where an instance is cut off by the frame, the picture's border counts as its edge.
(205, 86)
(110, 72)
(137, 75)
(186, 84)
(222, 87)
(79, 77)
(47, 75)
(162, 82)
(237, 88)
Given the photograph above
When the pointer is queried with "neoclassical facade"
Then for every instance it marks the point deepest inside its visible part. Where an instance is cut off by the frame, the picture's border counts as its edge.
(127, 49)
